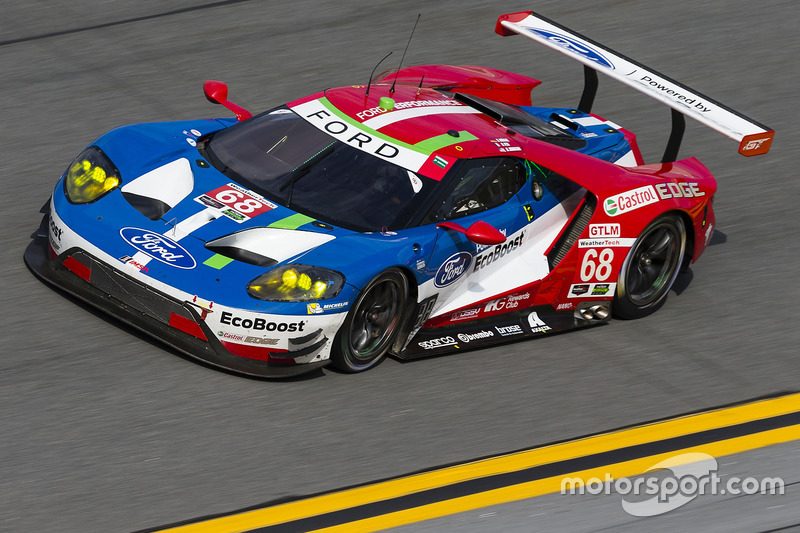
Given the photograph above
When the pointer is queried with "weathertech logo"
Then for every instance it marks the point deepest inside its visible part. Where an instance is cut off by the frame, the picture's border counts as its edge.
(630, 200)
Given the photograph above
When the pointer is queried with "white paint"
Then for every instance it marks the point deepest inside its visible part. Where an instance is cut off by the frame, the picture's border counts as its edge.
(168, 183)
(404, 114)
(627, 160)
(276, 243)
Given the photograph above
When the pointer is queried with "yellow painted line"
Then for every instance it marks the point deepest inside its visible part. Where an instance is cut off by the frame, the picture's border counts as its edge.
(552, 485)
(394, 488)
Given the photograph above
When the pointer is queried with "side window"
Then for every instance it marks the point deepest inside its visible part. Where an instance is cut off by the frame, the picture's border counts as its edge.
(545, 179)
(481, 184)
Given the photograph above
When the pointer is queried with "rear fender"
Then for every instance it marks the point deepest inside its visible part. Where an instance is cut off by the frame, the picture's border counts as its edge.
(688, 187)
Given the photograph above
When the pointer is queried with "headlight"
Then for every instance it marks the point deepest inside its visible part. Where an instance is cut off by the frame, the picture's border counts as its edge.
(90, 176)
(296, 283)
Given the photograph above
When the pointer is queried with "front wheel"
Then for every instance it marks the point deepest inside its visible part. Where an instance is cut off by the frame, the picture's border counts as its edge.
(650, 268)
(372, 323)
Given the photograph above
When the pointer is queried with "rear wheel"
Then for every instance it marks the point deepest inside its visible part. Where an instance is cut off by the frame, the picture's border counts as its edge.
(372, 323)
(650, 268)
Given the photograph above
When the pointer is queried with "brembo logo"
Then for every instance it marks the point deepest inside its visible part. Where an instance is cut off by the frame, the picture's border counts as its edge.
(158, 247)
(574, 46)
(630, 200)
(452, 269)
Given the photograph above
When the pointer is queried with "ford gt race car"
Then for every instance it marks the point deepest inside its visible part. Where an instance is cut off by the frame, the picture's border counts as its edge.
(432, 210)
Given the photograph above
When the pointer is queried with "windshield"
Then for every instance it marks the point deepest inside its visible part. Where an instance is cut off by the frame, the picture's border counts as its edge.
(283, 157)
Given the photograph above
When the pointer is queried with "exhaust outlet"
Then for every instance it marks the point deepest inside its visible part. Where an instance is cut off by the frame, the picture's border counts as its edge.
(600, 312)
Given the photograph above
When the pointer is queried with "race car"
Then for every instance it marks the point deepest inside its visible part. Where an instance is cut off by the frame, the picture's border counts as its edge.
(434, 209)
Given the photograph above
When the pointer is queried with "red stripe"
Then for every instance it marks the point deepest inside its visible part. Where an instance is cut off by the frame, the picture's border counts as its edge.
(78, 268)
(259, 353)
(187, 325)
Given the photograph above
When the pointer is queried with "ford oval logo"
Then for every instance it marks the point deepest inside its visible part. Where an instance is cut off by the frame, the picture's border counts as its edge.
(574, 46)
(452, 269)
(158, 247)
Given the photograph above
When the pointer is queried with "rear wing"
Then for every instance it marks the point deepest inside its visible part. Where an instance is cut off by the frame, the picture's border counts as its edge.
(753, 138)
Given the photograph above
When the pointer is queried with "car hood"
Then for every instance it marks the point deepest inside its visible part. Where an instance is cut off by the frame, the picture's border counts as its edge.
(202, 214)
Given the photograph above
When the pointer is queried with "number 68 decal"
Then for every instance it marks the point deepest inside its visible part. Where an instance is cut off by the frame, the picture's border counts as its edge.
(597, 265)
(240, 200)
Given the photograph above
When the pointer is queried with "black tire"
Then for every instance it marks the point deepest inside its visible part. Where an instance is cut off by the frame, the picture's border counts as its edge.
(372, 323)
(650, 268)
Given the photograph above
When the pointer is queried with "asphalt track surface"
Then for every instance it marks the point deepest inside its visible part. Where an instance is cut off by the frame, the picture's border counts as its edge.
(579, 513)
(103, 430)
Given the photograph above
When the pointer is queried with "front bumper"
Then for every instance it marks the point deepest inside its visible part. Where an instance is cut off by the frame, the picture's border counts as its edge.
(150, 311)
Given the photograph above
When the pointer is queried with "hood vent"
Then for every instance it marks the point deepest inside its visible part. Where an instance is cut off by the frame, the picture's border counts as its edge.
(152, 208)
(246, 256)
(161, 189)
(267, 246)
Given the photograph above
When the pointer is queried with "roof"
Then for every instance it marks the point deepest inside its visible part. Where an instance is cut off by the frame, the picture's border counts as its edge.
(429, 129)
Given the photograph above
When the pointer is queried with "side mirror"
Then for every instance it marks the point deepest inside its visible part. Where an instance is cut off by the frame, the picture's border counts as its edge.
(479, 232)
(217, 93)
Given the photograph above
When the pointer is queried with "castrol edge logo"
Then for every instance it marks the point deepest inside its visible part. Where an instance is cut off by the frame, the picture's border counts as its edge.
(630, 200)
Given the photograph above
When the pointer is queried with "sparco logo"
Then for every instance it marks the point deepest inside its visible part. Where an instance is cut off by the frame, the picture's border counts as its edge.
(573, 46)
(499, 251)
(441, 342)
(466, 337)
(158, 247)
(453, 268)
(630, 200)
(259, 324)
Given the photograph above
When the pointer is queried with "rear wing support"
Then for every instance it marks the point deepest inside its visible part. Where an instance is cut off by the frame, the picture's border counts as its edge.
(675, 137)
(753, 137)
(590, 84)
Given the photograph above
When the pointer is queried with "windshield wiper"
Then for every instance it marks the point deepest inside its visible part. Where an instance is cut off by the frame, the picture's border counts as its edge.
(296, 174)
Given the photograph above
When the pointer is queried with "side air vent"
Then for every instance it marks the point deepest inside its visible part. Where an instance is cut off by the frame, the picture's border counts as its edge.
(569, 237)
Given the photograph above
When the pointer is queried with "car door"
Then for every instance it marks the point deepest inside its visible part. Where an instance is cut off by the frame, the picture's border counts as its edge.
(531, 208)
(482, 190)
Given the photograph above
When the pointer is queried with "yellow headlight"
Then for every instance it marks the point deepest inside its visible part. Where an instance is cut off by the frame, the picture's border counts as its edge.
(289, 278)
(91, 176)
(318, 289)
(296, 283)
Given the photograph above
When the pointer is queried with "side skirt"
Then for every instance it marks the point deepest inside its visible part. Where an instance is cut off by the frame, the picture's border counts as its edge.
(509, 327)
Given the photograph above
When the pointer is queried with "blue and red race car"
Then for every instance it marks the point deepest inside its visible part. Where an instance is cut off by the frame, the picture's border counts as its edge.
(432, 210)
